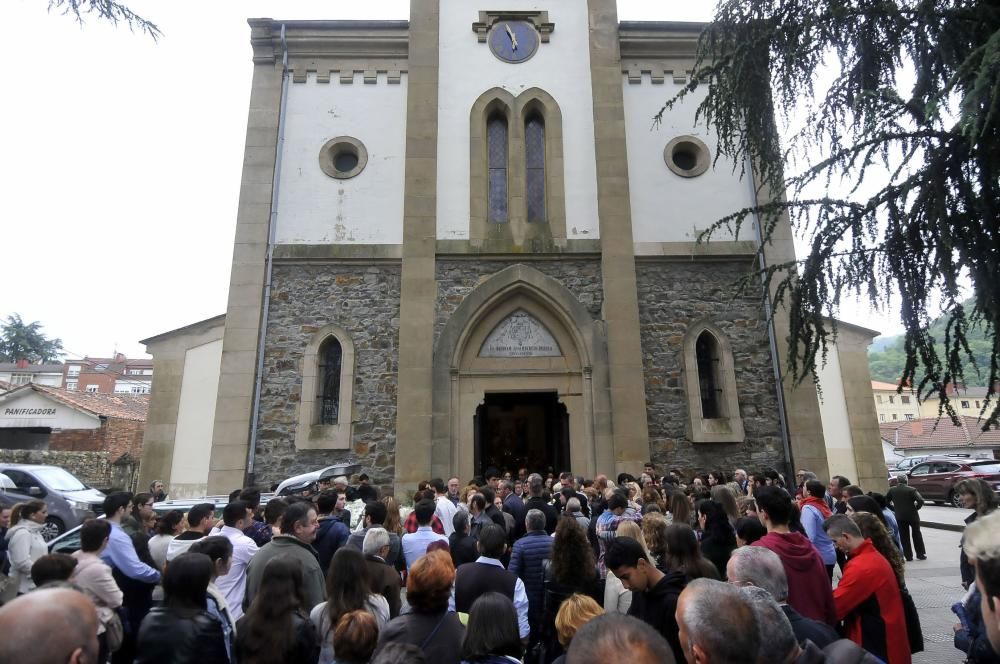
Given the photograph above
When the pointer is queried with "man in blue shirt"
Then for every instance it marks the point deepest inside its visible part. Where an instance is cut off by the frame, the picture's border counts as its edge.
(120, 552)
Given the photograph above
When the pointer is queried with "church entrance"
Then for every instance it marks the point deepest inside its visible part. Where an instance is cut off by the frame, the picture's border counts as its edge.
(521, 429)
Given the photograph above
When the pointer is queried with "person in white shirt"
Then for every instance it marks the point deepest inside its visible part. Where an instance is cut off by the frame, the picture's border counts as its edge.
(200, 518)
(168, 527)
(235, 517)
(444, 508)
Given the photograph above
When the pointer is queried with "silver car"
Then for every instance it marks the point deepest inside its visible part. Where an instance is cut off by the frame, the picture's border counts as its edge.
(69, 500)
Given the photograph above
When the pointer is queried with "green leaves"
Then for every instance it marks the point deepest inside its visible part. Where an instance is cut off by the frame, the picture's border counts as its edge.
(25, 341)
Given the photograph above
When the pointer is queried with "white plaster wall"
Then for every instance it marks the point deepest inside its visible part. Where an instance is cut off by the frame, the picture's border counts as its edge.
(665, 206)
(64, 417)
(195, 417)
(833, 413)
(314, 208)
(560, 67)
(50, 379)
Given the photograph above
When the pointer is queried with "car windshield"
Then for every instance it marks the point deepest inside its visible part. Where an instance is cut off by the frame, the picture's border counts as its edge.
(59, 480)
(988, 467)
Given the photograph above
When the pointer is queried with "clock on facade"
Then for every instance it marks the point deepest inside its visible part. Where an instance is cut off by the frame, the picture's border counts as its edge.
(513, 41)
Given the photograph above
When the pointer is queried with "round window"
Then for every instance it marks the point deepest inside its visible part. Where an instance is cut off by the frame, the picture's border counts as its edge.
(687, 156)
(343, 157)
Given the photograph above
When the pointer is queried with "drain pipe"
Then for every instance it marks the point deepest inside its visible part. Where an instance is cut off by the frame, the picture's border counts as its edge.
(772, 340)
(269, 262)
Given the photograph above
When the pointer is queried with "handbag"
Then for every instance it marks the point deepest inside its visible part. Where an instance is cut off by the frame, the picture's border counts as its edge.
(914, 632)
(114, 632)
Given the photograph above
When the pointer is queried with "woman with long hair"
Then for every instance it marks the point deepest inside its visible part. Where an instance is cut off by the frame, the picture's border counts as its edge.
(872, 528)
(975, 495)
(392, 522)
(727, 499)
(572, 569)
(276, 628)
(168, 526)
(684, 555)
(429, 625)
(654, 529)
(718, 539)
(680, 508)
(492, 635)
(182, 631)
(25, 545)
(652, 496)
(348, 588)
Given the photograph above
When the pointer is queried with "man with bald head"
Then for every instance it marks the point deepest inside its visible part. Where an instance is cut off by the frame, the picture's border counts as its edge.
(49, 626)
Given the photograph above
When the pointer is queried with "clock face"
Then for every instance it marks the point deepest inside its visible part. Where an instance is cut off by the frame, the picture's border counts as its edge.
(513, 41)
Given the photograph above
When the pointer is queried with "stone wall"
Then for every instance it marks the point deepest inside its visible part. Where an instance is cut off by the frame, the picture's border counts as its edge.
(364, 301)
(91, 468)
(456, 278)
(673, 296)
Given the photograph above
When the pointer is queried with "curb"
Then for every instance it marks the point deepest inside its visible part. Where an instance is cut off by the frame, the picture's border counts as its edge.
(943, 526)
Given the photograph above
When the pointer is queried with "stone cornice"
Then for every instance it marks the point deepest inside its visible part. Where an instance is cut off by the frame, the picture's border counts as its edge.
(325, 47)
(658, 48)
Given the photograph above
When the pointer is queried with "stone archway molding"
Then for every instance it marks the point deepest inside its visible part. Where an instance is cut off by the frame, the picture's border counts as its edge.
(587, 334)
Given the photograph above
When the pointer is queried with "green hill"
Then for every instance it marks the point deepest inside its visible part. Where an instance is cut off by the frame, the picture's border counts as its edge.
(886, 357)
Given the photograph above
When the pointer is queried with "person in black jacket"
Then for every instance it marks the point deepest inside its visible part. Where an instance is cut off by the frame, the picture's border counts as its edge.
(332, 533)
(536, 502)
(183, 631)
(654, 594)
(276, 628)
(461, 544)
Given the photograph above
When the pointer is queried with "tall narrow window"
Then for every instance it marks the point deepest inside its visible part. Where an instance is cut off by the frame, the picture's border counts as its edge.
(496, 132)
(707, 353)
(330, 354)
(534, 148)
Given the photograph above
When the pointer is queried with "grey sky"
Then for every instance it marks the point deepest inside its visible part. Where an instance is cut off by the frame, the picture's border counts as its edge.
(122, 161)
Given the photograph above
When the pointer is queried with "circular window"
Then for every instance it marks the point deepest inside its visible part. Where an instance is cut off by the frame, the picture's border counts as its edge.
(687, 156)
(343, 157)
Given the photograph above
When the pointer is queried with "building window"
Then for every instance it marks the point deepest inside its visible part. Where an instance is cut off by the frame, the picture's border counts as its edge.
(977, 405)
(965, 404)
(710, 379)
(881, 417)
(74, 370)
(892, 399)
(331, 355)
(908, 416)
(140, 389)
(496, 131)
(708, 375)
(92, 388)
(135, 372)
(20, 379)
(100, 367)
(895, 416)
(904, 399)
(326, 409)
(878, 398)
(147, 372)
(71, 385)
(534, 157)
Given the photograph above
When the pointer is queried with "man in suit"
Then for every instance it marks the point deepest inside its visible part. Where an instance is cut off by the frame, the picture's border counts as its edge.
(906, 502)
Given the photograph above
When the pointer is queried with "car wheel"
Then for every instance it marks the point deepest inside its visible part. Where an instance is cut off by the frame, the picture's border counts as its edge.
(53, 528)
(953, 499)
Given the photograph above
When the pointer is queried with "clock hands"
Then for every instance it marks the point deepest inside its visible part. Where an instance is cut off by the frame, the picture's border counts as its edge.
(513, 37)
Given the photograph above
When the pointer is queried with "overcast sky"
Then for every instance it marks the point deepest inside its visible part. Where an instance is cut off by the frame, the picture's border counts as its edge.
(122, 160)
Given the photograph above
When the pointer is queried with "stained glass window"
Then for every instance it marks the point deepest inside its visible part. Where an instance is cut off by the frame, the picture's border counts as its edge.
(534, 147)
(496, 132)
(330, 354)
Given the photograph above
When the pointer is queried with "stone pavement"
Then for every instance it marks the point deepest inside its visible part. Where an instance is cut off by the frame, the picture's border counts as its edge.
(936, 584)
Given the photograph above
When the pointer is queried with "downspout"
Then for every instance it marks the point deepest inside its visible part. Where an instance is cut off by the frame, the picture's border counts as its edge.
(269, 262)
(772, 341)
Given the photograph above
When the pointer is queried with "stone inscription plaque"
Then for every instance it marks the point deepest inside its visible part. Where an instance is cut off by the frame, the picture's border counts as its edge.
(520, 335)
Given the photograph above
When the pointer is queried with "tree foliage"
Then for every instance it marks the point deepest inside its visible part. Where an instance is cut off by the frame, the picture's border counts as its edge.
(106, 10)
(25, 341)
(893, 177)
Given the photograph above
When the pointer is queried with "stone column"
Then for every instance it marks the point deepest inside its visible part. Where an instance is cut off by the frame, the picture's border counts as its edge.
(418, 288)
(621, 308)
(231, 433)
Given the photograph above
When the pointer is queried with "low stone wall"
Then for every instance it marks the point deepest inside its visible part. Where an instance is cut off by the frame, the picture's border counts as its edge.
(91, 468)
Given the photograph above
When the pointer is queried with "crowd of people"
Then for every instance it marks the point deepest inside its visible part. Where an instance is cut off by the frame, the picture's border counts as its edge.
(720, 567)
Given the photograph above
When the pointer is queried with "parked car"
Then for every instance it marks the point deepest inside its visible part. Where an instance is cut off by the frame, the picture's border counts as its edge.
(69, 500)
(935, 477)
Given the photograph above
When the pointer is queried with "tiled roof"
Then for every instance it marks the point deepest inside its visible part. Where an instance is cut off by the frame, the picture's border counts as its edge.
(934, 432)
(122, 406)
(876, 385)
(31, 368)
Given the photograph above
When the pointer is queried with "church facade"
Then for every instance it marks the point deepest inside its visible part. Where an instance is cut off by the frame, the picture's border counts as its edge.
(462, 243)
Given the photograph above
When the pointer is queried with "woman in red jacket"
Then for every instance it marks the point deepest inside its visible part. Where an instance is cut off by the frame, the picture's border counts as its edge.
(867, 598)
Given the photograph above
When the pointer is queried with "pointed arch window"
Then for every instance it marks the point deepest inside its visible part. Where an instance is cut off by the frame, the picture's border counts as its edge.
(710, 381)
(710, 390)
(331, 358)
(534, 157)
(496, 132)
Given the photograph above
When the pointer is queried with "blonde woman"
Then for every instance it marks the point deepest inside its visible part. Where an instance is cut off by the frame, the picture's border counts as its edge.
(575, 612)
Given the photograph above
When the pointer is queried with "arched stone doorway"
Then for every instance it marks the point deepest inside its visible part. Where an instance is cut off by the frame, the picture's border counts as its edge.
(524, 353)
